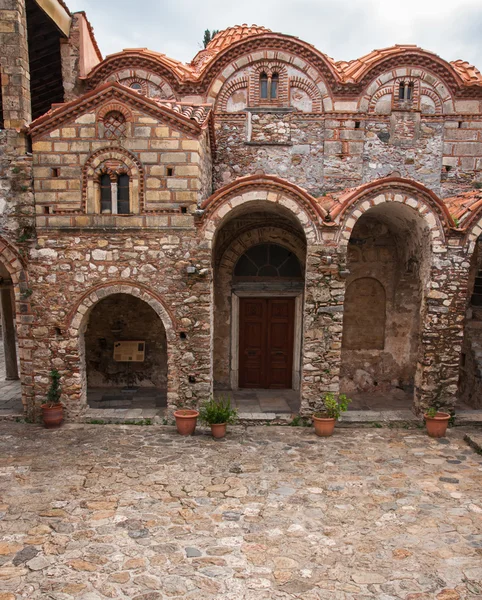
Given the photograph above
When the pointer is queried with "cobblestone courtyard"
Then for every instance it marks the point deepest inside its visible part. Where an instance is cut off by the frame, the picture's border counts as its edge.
(98, 511)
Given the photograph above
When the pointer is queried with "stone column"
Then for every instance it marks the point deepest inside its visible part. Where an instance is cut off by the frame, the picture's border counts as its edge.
(442, 330)
(8, 330)
(323, 325)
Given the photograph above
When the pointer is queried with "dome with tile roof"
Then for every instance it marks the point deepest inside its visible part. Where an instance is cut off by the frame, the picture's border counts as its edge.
(225, 38)
(228, 36)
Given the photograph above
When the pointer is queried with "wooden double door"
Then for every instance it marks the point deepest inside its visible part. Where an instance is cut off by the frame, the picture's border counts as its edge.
(266, 333)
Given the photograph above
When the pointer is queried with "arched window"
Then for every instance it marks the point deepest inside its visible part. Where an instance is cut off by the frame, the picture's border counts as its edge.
(114, 194)
(114, 125)
(274, 86)
(268, 260)
(136, 86)
(263, 86)
(105, 194)
(405, 90)
(123, 194)
(409, 91)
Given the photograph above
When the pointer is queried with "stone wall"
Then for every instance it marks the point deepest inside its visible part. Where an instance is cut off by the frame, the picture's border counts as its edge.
(71, 273)
(323, 154)
(443, 328)
(292, 148)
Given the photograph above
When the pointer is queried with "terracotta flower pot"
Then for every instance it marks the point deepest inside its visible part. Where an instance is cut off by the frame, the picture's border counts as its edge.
(324, 426)
(52, 415)
(437, 426)
(186, 420)
(218, 430)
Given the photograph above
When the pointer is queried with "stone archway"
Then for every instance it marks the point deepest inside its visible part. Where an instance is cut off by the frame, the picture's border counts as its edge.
(388, 264)
(16, 323)
(75, 389)
(125, 354)
(249, 226)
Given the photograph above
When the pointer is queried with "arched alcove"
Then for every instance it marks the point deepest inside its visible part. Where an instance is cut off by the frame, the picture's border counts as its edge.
(125, 354)
(470, 379)
(388, 259)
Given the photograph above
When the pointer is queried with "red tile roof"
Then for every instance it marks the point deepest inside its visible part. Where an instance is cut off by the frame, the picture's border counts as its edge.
(469, 73)
(228, 36)
(464, 205)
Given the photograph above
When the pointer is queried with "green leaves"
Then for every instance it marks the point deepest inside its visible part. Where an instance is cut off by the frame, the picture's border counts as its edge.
(217, 410)
(334, 407)
(53, 394)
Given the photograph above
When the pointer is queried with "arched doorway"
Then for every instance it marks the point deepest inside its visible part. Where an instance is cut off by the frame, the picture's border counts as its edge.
(10, 390)
(470, 379)
(259, 264)
(125, 355)
(389, 272)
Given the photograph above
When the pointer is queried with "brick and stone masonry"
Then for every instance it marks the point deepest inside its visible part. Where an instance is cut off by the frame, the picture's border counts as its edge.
(154, 178)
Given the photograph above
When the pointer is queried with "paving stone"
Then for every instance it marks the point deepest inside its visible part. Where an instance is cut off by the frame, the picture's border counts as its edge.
(275, 512)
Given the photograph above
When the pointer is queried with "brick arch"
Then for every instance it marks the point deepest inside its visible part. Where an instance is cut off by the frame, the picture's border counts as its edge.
(387, 82)
(114, 107)
(13, 263)
(260, 235)
(77, 319)
(269, 67)
(77, 315)
(311, 89)
(474, 230)
(402, 58)
(133, 168)
(240, 55)
(392, 189)
(266, 188)
(228, 91)
(154, 64)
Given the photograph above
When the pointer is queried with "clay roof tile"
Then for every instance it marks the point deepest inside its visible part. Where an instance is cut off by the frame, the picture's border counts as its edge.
(468, 72)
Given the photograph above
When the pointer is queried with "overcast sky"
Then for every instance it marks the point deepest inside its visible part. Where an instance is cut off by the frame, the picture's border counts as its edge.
(343, 29)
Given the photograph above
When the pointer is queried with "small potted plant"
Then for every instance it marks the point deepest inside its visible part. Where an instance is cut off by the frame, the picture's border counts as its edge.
(53, 410)
(325, 420)
(436, 422)
(186, 420)
(217, 413)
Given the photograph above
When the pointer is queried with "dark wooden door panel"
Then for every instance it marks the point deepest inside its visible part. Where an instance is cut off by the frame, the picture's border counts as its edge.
(266, 327)
(280, 342)
(252, 343)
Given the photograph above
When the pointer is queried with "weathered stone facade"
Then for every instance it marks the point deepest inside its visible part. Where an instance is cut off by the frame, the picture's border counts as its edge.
(154, 179)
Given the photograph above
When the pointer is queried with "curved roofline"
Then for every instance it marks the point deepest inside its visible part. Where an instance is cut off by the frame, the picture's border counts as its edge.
(286, 43)
(155, 62)
(364, 70)
(342, 78)
(265, 182)
(349, 198)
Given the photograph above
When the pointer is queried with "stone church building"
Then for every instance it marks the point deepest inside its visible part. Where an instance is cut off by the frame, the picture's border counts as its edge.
(262, 218)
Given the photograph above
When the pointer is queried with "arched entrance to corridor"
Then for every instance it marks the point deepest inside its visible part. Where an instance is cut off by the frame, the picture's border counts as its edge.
(470, 378)
(259, 257)
(389, 273)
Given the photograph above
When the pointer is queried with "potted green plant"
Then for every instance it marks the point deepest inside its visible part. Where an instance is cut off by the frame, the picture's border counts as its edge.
(324, 420)
(186, 420)
(53, 410)
(436, 422)
(217, 412)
